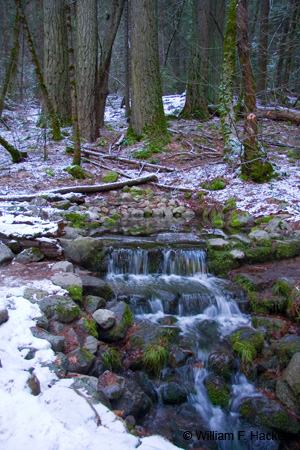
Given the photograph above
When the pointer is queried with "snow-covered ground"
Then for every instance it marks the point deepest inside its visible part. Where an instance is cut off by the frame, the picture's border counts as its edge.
(58, 418)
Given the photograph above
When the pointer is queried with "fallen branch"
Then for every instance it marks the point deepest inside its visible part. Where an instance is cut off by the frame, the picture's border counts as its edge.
(82, 189)
(98, 418)
(171, 188)
(102, 166)
(278, 114)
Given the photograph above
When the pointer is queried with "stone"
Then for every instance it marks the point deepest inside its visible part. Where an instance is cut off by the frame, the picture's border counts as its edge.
(237, 254)
(189, 214)
(179, 211)
(221, 363)
(60, 365)
(288, 386)
(31, 254)
(73, 233)
(286, 348)
(259, 235)
(66, 280)
(63, 309)
(158, 212)
(57, 342)
(14, 246)
(88, 384)
(85, 251)
(173, 394)
(34, 385)
(177, 356)
(124, 319)
(126, 197)
(97, 287)
(91, 344)
(3, 316)
(111, 385)
(105, 318)
(34, 295)
(137, 213)
(218, 243)
(63, 204)
(278, 224)
(42, 321)
(63, 266)
(134, 402)
(92, 303)
(5, 253)
(98, 367)
(146, 384)
(241, 238)
(80, 360)
(218, 390)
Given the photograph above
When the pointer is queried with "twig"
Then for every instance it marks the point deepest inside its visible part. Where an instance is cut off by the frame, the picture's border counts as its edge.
(98, 418)
(109, 168)
(172, 188)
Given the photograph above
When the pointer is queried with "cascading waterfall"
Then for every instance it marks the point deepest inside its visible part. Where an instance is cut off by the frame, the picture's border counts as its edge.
(181, 287)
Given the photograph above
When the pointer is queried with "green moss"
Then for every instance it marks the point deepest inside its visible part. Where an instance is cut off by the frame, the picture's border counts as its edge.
(215, 185)
(110, 177)
(77, 172)
(77, 220)
(109, 222)
(67, 314)
(259, 254)
(49, 172)
(286, 250)
(112, 358)
(70, 150)
(220, 262)
(264, 220)
(116, 217)
(125, 323)
(282, 288)
(187, 195)
(235, 220)
(76, 293)
(218, 393)
(229, 205)
(91, 325)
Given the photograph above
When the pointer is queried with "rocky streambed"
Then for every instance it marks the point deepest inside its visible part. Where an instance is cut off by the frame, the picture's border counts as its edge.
(145, 326)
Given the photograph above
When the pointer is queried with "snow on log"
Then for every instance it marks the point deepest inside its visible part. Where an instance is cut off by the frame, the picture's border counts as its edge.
(278, 113)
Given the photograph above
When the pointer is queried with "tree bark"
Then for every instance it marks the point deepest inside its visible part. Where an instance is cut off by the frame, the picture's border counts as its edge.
(126, 59)
(87, 69)
(254, 159)
(56, 58)
(111, 29)
(14, 153)
(13, 61)
(291, 38)
(232, 144)
(46, 97)
(195, 102)
(72, 85)
(147, 113)
(263, 48)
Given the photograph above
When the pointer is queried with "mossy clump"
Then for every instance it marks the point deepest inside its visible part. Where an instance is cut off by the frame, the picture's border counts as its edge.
(218, 391)
(77, 172)
(155, 358)
(111, 357)
(285, 250)
(187, 195)
(220, 262)
(77, 220)
(215, 185)
(109, 222)
(76, 293)
(230, 204)
(259, 254)
(70, 150)
(260, 171)
(66, 314)
(110, 177)
(91, 325)
(247, 343)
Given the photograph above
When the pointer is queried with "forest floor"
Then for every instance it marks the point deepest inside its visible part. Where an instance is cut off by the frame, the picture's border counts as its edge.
(194, 152)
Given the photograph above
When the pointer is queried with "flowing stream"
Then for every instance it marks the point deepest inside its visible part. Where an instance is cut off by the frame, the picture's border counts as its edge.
(204, 308)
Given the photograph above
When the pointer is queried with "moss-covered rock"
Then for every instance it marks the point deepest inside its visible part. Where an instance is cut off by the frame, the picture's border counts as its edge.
(76, 172)
(218, 390)
(221, 363)
(220, 262)
(287, 249)
(110, 177)
(86, 251)
(63, 309)
(286, 348)
(173, 394)
(76, 220)
(124, 319)
(31, 254)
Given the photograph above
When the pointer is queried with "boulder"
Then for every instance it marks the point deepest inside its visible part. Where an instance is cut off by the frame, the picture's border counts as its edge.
(105, 318)
(218, 390)
(70, 282)
(288, 386)
(5, 253)
(91, 344)
(111, 385)
(98, 367)
(134, 402)
(268, 413)
(124, 319)
(57, 342)
(174, 394)
(33, 295)
(3, 316)
(96, 287)
(80, 360)
(63, 309)
(60, 365)
(221, 363)
(286, 348)
(259, 235)
(92, 303)
(177, 356)
(31, 254)
(88, 384)
(86, 251)
(146, 384)
(63, 266)
(278, 224)
(218, 243)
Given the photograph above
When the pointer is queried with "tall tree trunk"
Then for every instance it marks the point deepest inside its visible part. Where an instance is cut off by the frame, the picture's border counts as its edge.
(147, 113)
(195, 102)
(14, 153)
(73, 93)
(111, 29)
(216, 37)
(126, 59)
(263, 48)
(255, 164)
(87, 69)
(232, 143)
(46, 97)
(282, 47)
(56, 58)
(291, 38)
(12, 63)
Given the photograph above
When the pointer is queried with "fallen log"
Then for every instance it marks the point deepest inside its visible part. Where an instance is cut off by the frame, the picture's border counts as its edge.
(102, 166)
(85, 189)
(172, 188)
(279, 113)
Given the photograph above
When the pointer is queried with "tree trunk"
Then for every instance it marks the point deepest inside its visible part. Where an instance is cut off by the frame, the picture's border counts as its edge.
(232, 143)
(254, 160)
(56, 58)
(72, 85)
(291, 38)
(147, 113)
(111, 29)
(263, 48)
(87, 69)
(126, 59)
(216, 31)
(195, 102)
(14, 153)
(46, 97)
(13, 61)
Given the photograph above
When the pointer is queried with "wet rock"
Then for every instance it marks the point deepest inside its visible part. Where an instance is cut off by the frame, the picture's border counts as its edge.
(73, 233)
(96, 287)
(63, 266)
(88, 384)
(177, 356)
(259, 235)
(126, 197)
(105, 318)
(70, 282)
(92, 303)
(57, 342)
(137, 213)
(174, 394)
(286, 348)
(268, 326)
(91, 344)
(124, 319)
(63, 204)
(34, 385)
(146, 384)
(221, 363)
(80, 360)
(134, 402)
(288, 387)
(98, 367)
(31, 254)
(218, 390)
(3, 316)
(268, 413)
(179, 211)
(272, 364)
(33, 295)
(86, 251)
(63, 309)
(112, 385)
(218, 243)
(237, 254)
(5, 253)
(60, 365)
(72, 338)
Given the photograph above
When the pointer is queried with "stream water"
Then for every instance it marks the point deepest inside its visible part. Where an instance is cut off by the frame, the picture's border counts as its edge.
(205, 310)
